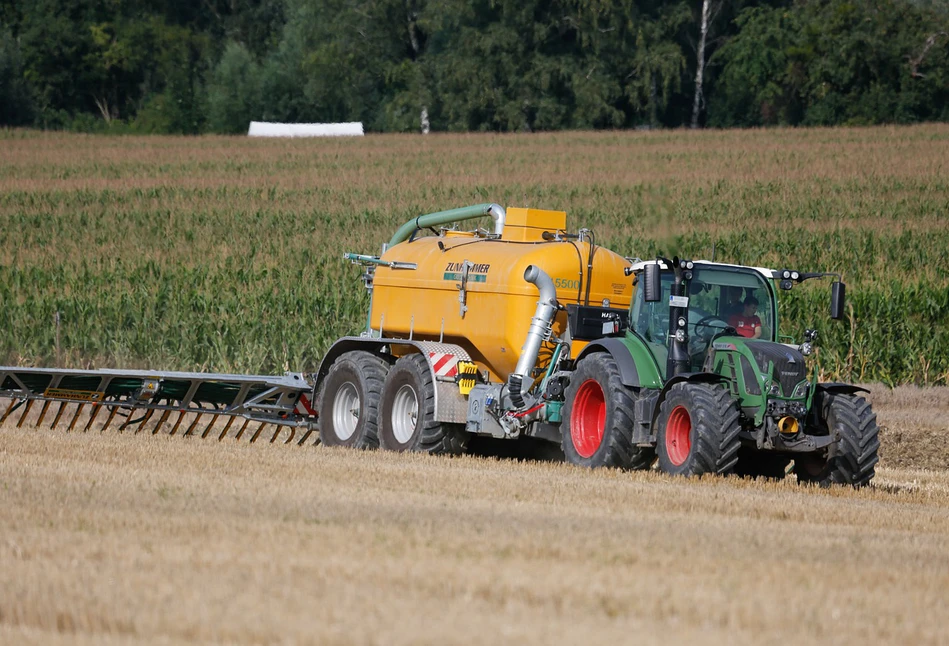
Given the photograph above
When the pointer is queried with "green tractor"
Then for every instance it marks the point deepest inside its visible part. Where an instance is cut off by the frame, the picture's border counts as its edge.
(700, 380)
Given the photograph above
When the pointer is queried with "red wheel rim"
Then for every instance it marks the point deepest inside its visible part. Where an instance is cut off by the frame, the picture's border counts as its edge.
(588, 418)
(679, 435)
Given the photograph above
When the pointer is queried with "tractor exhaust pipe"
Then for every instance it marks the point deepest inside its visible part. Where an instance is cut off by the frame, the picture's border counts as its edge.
(521, 380)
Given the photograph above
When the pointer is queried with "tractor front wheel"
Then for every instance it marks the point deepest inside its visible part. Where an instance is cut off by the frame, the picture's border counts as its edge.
(698, 430)
(598, 418)
(852, 419)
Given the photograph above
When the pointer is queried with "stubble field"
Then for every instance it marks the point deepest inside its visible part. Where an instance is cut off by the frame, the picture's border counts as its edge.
(224, 254)
(120, 538)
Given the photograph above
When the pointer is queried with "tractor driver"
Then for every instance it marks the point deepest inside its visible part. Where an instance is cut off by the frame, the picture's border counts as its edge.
(747, 322)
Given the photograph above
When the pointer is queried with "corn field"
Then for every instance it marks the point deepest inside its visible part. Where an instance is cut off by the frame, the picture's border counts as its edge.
(225, 254)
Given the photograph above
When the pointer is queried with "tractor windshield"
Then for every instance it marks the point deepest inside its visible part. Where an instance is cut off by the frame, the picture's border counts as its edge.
(719, 297)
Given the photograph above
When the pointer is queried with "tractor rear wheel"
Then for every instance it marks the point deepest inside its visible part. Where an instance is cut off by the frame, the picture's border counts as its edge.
(349, 404)
(858, 444)
(407, 421)
(598, 418)
(698, 430)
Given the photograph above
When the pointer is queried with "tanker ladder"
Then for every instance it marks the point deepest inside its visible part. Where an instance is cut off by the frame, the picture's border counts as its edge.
(147, 400)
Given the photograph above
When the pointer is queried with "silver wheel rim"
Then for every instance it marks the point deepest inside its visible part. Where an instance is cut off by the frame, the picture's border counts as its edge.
(404, 414)
(346, 411)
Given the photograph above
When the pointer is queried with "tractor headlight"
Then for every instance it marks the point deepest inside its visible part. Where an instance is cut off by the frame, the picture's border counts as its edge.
(775, 389)
(681, 322)
(800, 391)
(680, 335)
(795, 275)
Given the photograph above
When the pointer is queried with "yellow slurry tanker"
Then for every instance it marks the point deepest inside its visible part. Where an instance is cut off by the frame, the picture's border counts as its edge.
(457, 341)
(526, 330)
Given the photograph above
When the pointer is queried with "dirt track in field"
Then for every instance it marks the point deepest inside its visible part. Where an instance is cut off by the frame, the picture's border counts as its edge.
(118, 538)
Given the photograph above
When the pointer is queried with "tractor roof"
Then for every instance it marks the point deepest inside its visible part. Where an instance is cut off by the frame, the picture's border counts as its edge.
(766, 273)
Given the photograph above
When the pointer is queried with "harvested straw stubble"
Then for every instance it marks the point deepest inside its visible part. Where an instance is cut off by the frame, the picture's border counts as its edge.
(163, 539)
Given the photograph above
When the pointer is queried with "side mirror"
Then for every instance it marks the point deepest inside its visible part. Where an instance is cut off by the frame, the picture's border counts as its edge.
(651, 285)
(837, 300)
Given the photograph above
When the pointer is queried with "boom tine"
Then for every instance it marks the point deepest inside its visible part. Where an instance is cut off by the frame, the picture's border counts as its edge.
(276, 433)
(92, 417)
(112, 411)
(43, 410)
(75, 417)
(305, 436)
(293, 433)
(161, 420)
(241, 432)
(148, 416)
(208, 429)
(174, 428)
(226, 427)
(26, 411)
(9, 410)
(257, 432)
(127, 421)
(193, 424)
(59, 413)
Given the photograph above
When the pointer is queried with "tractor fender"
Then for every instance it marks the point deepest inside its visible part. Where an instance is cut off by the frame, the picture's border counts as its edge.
(821, 392)
(837, 388)
(621, 355)
(686, 377)
(450, 404)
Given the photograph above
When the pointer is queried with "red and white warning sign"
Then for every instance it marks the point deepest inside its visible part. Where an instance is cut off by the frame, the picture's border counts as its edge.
(443, 363)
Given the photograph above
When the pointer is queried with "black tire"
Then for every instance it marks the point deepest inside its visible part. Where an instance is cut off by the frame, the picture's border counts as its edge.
(407, 414)
(698, 430)
(352, 386)
(598, 418)
(761, 464)
(858, 444)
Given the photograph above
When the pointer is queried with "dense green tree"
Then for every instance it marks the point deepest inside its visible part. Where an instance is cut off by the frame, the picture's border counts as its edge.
(835, 61)
(234, 92)
(503, 65)
(16, 104)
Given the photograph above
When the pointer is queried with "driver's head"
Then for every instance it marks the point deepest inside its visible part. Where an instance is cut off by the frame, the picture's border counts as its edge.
(750, 305)
(733, 295)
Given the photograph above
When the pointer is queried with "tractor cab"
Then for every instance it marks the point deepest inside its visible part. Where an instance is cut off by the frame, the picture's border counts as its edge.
(715, 300)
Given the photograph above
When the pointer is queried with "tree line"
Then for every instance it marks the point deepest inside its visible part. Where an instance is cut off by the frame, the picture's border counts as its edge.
(193, 66)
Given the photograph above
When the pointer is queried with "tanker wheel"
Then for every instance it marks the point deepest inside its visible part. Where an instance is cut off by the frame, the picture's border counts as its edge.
(698, 430)
(858, 444)
(598, 418)
(349, 405)
(407, 414)
(761, 464)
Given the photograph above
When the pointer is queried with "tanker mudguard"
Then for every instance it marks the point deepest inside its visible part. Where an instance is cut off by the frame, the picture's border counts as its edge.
(621, 355)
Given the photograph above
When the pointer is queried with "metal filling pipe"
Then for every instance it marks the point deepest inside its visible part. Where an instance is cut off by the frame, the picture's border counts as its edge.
(496, 211)
(520, 381)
